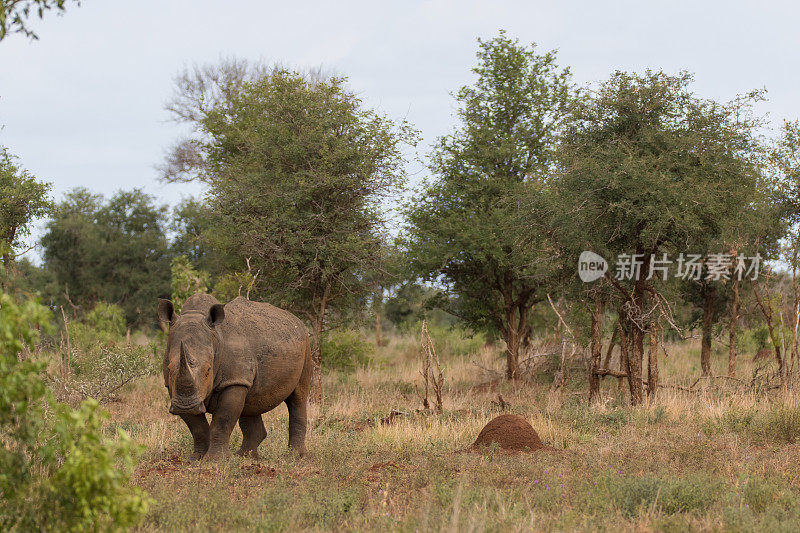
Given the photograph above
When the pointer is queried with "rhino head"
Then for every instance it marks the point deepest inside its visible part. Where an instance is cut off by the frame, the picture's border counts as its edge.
(189, 359)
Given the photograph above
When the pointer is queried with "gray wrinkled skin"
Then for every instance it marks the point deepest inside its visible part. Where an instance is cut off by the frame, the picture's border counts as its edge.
(235, 361)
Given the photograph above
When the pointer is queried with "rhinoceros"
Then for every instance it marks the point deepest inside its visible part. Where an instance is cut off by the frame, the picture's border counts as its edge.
(235, 361)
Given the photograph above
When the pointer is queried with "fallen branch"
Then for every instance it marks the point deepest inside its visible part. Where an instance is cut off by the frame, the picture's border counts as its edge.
(719, 377)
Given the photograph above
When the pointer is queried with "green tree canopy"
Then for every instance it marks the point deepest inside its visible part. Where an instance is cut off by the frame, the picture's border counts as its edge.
(458, 232)
(651, 168)
(22, 199)
(297, 168)
(190, 226)
(111, 250)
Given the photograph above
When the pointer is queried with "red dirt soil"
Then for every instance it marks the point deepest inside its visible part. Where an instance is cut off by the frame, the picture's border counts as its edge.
(510, 432)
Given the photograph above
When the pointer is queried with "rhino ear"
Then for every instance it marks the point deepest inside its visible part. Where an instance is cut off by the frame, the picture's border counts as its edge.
(216, 315)
(166, 313)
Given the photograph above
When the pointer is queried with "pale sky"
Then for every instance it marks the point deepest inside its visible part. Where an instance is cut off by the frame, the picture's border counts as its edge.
(83, 106)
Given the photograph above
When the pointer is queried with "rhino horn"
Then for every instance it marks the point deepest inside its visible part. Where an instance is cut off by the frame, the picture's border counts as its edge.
(185, 379)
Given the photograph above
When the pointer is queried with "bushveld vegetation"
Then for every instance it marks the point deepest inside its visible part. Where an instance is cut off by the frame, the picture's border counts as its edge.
(656, 412)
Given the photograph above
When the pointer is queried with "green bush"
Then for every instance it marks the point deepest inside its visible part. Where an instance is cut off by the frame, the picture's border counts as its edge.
(345, 350)
(104, 324)
(57, 470)
(750, 341)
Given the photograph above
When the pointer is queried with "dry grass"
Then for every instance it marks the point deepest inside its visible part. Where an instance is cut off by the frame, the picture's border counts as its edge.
(721, 458)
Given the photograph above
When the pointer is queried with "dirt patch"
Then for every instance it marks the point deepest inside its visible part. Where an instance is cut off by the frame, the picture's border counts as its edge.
(256, 469)
(167, 466)
(510, 432)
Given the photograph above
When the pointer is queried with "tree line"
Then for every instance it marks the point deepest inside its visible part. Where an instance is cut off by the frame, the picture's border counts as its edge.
(301, 178)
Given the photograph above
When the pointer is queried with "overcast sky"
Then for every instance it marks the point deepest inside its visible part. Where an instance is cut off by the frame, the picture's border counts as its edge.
(83, 106)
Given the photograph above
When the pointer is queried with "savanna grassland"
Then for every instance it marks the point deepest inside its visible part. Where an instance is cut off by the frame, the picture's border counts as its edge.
(721, 457)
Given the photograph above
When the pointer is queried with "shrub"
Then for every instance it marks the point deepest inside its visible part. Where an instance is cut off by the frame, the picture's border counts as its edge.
(103, 369)
(104, 324)
(345, 350)
(57, 470)
(101, 361)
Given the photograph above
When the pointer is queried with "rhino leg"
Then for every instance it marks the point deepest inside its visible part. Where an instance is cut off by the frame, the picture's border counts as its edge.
(229, 407)
(296, 403)
(198, 426)
(253, 433)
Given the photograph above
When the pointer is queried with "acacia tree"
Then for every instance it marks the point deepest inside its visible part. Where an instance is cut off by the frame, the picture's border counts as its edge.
(458, 232)
(22, 199)
(297, 168)
(650, 168)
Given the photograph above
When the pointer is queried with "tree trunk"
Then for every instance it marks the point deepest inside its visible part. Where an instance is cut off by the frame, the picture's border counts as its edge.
(317, 324)
(610, 349)
(597, 347)
(766, 311)
(796, 294)
(624, 346)
(515, 330)
(636, 355)
(732, 330)
(635, 359)
(652, 361)
(512, 346)
(378, 339)
(316, 361)
(709, 300)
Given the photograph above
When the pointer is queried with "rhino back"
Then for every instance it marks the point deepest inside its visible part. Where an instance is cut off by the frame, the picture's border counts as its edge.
(263, 347)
